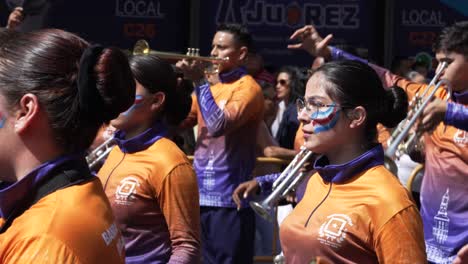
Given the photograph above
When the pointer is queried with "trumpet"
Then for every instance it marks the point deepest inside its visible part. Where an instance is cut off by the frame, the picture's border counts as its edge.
(401, 142)
(288, 181)
(95, 157)
(142, 47)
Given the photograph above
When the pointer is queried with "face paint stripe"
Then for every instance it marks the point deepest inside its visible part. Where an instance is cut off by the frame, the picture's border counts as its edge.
(322, 128)
(136, 104)
(138, 99)
(318, 115)
(326, 119)
(2, 120)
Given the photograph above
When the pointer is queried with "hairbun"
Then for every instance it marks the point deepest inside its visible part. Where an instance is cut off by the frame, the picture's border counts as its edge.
(395, 107)
(88, 94)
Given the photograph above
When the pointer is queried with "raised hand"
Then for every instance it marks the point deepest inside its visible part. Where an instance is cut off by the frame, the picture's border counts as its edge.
(311, 41)
(15, 18)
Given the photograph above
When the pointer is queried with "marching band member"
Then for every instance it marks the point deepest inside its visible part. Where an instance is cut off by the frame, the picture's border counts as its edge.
(344, 216)
(55, 92)
(228, 115)
(443, 192)
(149, 181)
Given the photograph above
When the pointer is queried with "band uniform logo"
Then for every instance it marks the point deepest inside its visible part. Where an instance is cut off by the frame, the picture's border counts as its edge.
(461, 137)
(125, 193)
(334, 231)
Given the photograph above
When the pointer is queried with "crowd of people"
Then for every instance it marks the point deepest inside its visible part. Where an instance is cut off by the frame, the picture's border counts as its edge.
(148, 203)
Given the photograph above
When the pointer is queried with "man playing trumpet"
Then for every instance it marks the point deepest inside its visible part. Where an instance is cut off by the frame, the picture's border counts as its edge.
(228, 114)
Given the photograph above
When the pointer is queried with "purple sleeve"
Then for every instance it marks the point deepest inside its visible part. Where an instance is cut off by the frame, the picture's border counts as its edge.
(212, 115)
(266, 182)
(388, 79)
(337, 54)
(457, 116)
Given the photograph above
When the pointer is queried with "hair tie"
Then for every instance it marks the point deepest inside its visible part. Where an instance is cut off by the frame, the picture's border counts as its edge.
(88, 94)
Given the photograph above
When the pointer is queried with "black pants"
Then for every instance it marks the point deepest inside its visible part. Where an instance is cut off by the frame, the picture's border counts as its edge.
(227, 235)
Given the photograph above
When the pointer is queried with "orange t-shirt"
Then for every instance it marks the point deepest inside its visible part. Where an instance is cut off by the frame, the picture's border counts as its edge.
(71, 225)
(154, 195)
(367, 219)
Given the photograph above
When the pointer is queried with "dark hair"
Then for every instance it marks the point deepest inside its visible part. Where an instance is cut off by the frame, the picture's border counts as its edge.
(436, 45)
(455, 38)
(357, 84)
(157, 75)
(296, 82)
(240, 33)
(46, 63)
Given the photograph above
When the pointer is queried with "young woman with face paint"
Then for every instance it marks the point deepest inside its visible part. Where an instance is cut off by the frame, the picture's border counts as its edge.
(55, 92)
(445, 144)
(353, 205)
(149, 181)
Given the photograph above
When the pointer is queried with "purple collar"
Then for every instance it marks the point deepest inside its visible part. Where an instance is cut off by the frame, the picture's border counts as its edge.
(461, 98)
(141, 141)
(343, 172)
(232, 76)
(12, 193)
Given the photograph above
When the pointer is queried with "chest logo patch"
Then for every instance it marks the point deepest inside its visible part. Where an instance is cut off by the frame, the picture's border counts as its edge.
(334, 231)
(461, 137)
(125, 192)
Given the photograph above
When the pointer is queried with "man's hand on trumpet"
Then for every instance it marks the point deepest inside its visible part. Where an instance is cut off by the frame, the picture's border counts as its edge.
(250, 188)
(192, 69)
(245, 190)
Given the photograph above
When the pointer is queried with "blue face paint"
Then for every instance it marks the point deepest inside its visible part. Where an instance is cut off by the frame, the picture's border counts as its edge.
(138, 102)
(325, 120)
(2, 120)
(318, 116)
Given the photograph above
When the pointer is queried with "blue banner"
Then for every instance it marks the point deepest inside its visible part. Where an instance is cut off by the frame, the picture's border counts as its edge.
(352, 22)
(165, 24)
(419, 22)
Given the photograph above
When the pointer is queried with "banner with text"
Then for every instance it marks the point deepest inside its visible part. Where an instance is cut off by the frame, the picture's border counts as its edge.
(119, 22)
(272, 22)
(419, 22)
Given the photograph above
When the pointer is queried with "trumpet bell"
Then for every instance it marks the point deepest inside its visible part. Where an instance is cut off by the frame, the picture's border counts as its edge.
(279, 259)
(261, 210)
(283, 184)
(141, 47)
(391, 165)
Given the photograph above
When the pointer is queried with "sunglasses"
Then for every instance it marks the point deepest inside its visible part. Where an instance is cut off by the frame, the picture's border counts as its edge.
(282, 82)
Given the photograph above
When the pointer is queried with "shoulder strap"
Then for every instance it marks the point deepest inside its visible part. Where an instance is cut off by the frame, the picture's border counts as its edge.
(68, 174)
